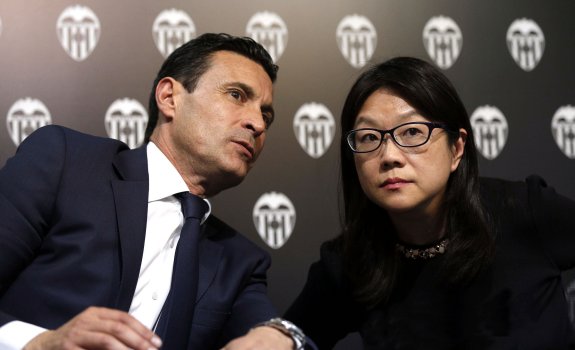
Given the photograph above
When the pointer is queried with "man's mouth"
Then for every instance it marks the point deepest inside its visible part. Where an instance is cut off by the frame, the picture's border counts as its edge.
(248, 148)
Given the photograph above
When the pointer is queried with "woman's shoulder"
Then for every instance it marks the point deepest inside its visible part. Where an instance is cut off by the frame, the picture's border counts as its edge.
(499, 195)
(499, 186)
(530, 200)
(531, 180)
(501, 191)
(331, 259)
(331, 252)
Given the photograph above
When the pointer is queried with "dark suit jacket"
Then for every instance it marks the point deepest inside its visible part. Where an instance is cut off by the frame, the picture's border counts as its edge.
(72, 224)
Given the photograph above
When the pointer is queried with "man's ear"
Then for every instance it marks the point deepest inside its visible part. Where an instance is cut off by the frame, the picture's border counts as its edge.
(165, 92)
(458, 148)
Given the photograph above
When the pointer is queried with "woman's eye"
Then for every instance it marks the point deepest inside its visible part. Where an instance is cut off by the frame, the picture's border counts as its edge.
(412, 132)
(369, 138)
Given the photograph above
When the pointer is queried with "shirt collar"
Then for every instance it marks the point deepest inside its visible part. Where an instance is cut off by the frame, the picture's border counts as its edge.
(165, 180)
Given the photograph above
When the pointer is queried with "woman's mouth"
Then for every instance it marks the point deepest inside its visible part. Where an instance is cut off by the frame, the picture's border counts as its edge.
(395, 183)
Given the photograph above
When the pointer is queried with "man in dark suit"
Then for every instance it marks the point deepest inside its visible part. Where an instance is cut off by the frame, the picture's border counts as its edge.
(89, 228)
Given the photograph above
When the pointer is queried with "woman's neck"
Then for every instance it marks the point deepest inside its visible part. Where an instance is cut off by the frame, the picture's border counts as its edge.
(418, 229)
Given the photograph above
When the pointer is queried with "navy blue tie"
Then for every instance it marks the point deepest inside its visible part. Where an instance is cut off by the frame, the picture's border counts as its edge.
(176, 316)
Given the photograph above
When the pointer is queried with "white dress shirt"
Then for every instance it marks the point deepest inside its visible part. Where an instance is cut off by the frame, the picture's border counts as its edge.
(163, 226)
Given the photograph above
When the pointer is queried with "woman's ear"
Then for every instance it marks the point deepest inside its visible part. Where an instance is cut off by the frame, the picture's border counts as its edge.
(458, 149)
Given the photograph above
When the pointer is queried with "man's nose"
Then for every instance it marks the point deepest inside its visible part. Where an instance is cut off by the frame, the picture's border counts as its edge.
(254, 121)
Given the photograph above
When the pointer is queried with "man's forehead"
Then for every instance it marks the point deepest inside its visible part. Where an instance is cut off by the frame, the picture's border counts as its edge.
(235, 63)
(232, 68)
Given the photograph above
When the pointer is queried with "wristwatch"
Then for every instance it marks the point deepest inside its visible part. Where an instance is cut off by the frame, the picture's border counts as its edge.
(287, 328)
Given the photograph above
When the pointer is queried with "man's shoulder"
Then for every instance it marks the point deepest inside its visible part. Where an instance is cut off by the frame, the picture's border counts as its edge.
(71, 135)
(58, 141)
(53, 143)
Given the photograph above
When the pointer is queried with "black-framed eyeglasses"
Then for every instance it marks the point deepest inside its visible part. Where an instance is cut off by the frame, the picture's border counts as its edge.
(405, 135)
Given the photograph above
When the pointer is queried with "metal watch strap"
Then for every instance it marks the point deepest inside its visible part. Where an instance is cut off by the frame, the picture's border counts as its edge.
(287, 328)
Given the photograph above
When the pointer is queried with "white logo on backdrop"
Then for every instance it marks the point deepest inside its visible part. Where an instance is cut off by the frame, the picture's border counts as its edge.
(274, 218)
(269, 29)
(526, 43)
(78, 31)
(126, 120)
(357, 39)
(25, 116)
(314, 127)
(490, 129)
(443, 40)
(563, 128)
(172, 28)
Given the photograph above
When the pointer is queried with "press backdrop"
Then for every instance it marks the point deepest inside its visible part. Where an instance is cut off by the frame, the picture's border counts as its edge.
(89, 65)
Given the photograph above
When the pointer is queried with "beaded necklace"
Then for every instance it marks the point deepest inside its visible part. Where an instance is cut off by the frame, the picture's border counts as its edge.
(423, 252)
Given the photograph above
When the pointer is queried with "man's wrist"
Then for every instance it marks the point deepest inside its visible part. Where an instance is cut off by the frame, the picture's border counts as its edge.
(16, 334)
(287, 328)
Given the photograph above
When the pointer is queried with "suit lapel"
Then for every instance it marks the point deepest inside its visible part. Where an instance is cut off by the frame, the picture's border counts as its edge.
(131, 200)
(209, 259)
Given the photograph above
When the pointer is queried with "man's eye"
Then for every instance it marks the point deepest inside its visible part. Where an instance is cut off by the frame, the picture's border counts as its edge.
(236, 94)
(268, 119)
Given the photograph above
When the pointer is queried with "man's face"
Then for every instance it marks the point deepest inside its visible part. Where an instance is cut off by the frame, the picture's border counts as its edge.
(219, 129)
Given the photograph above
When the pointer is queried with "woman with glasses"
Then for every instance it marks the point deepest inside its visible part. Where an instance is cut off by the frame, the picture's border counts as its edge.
(431, 257)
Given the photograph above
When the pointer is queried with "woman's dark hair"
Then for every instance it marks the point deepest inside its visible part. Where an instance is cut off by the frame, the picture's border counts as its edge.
(191, 60)
(368, 238)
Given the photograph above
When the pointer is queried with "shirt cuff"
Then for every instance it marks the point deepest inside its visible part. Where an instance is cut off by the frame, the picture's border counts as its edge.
(16, 334)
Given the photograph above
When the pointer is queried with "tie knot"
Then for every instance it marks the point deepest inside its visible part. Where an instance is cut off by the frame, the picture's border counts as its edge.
(192, 205)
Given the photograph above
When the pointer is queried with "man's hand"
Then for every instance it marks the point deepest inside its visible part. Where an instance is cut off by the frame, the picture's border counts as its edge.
(98, 328)
(261, 338)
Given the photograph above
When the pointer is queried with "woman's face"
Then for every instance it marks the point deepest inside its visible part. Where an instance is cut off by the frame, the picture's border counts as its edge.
(404, 180)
